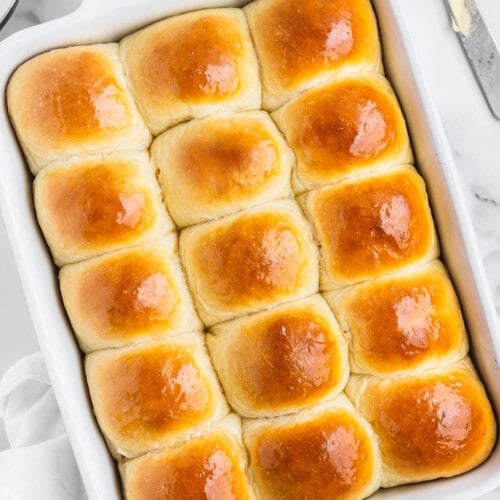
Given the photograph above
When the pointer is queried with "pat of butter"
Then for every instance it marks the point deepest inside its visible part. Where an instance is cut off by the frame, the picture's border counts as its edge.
(462, 19)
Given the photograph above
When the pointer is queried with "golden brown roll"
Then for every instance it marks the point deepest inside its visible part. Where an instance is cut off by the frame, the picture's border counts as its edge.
(128, 296)
(151, 395)
(210, 466)
(192, 65)
(437, 424)
(74, 101)
(282, 360)
(346, 127)
(301, 44)
(91, 205)
(326, 452)
(221, 164)
(249, 261)
(406, 322)
(370, 226)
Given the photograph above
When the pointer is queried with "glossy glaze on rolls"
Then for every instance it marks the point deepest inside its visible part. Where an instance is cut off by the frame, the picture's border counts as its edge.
(221, 164)
(151, 395)
(74, 101)
(128, 296)
(192, 65)
(437, 424)
(95, 204)
(301, 44)
(212, 465)
(370, 226)
(267, 211)
(282, 360)
(326, 452)
(249, 261)
(404, 322)
(346, 127)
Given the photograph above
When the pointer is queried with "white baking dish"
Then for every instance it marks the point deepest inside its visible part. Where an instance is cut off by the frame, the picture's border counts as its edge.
(98, 21)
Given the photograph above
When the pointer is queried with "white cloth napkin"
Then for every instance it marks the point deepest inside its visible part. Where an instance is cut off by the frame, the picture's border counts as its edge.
(40, 463)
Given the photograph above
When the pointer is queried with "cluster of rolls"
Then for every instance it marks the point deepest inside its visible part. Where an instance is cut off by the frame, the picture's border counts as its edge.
(258, 295)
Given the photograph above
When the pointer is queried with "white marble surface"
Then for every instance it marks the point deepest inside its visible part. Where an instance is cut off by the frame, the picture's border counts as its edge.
(473, 133)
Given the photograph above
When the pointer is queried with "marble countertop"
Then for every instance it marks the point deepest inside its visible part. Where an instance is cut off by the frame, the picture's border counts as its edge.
(473, 133)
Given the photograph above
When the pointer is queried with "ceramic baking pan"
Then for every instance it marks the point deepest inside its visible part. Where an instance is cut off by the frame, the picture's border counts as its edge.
(98, 21)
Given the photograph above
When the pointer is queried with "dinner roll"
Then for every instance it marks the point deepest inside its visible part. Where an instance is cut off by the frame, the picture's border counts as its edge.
(408, 321)
(91, 205)
(369, 226)
(221, 164)
(326, 452)
(437, 424)
(128, 296)
(346, 127)
(210, 466)
(192, 65)
(151, 395)
(301, 44)
(282, 360)
(249, 261)
(74, 101)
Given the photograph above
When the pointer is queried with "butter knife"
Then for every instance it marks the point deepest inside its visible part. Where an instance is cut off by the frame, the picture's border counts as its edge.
(480, 49)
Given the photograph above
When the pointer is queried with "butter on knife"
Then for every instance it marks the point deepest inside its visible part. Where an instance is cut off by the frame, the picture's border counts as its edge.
(480, 49)
(461, 17)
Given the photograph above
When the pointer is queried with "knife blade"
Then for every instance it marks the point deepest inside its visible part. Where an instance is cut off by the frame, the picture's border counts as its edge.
(480, 48)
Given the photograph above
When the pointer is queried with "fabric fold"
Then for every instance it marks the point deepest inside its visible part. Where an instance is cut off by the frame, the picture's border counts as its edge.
(40, 463)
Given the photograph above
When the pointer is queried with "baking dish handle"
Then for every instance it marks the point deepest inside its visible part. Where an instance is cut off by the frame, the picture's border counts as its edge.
(91, 6)
(96, 6)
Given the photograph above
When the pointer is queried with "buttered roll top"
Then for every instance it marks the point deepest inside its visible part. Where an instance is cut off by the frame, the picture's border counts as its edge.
(148, 396)
(328, 452)
(91, 205)
(208, 466)
(192, 65)
(350, 126)
(249, 261)
(221, 164)
(128, 296)
(301, 44)
(281, 360)
(408, 321)
(74, 101)
(437, 424)
(369, 226)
